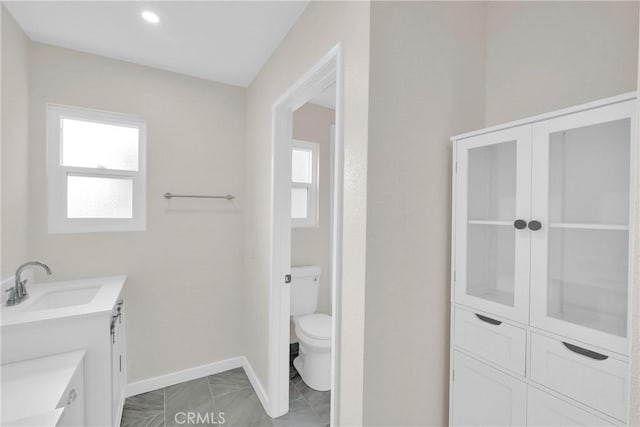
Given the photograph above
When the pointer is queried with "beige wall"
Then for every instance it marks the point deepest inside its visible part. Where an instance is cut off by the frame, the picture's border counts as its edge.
(427, 83)
(436, 70)
(543, 56)
(310, 245)
(321, 26)
(185, 271)
(15, 144)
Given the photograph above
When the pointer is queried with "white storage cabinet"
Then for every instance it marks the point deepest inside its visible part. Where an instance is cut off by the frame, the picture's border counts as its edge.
(542, 226)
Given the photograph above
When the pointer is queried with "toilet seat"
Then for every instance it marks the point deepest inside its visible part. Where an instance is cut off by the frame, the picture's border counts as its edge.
(316, 326)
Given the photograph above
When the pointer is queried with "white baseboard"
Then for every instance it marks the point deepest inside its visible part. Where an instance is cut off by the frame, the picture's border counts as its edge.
(167, 380)
(257, 386)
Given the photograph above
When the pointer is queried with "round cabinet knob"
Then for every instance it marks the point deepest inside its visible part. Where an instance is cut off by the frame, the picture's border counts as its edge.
(72, 396)
(534, 225)
(520, 224)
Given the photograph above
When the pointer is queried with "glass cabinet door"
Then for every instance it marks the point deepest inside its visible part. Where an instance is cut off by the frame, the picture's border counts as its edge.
(580, 253)
(492, 247)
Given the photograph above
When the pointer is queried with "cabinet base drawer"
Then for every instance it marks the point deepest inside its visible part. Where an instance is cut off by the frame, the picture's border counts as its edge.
(491, 340)
(484, 396)
(591, 378)
(545, 410)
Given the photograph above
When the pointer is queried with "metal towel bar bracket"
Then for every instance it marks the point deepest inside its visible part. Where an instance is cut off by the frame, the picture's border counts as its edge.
(195, 196)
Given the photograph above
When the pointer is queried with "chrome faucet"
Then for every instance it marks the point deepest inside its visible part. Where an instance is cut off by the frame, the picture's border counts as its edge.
(19, 291)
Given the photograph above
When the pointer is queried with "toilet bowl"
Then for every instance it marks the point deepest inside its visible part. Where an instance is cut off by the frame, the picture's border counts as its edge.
(314, 355)
(312, 329)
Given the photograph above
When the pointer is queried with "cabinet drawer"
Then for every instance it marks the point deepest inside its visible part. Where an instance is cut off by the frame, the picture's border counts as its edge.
(484, 396)
(545, 410)
(496, 342)
(593, 379)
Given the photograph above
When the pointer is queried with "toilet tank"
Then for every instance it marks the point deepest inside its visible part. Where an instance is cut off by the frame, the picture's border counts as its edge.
(305, 284)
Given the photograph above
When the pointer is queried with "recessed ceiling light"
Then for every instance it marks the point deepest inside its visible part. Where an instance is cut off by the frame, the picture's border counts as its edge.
(150, 17)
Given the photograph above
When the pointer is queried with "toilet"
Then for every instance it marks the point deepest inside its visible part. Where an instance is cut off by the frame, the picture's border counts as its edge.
(312, 329)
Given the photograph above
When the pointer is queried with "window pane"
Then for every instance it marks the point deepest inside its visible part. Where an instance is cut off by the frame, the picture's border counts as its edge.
(491, 262)
(98, 197)
(301, 168)
(589, 174)
(99, 145)
(492, 182)
(299, 198)
(587, 278)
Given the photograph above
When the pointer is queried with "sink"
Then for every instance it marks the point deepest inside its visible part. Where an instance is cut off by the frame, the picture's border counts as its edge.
(64, 298)
(58, 300)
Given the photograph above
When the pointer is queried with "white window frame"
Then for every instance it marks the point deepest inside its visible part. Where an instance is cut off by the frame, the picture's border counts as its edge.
(312, 189)
(58, 222)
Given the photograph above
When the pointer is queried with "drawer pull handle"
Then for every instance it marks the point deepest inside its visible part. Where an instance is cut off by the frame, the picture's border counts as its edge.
(585, 352)
(488, 319)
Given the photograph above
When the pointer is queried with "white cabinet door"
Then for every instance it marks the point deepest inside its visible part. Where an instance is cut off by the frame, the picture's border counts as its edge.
(118, 378)
(73, 400)
(544, 410)
(484, 396)
(581, 174)
(493, 184)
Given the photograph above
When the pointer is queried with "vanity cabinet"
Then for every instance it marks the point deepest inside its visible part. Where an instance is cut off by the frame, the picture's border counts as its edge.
(118, 360)
(542, 235)
(97, 327)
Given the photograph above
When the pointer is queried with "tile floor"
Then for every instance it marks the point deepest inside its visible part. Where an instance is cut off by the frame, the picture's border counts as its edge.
(228, 392)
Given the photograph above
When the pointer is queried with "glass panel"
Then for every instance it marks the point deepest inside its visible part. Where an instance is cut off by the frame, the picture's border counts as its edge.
(589, 174)
(299, 198)
(301, 166)
(492, 182)
(588, 278)
(99, 197)
(99, 145)
(491, 262)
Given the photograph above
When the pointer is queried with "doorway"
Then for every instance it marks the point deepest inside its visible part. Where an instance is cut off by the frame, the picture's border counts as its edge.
(312, 86)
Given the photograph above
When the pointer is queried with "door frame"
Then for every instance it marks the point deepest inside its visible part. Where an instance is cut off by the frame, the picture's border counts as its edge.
(328, 70)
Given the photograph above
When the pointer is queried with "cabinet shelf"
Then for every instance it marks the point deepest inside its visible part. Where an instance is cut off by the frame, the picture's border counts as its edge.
(484, 222)
(614, 227)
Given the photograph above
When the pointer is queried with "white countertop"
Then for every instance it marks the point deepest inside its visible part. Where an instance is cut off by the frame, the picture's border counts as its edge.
(32, 389)
(104, 300)
(47, 419)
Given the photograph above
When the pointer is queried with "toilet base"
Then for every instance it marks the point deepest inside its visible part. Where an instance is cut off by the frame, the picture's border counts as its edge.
(314, 368)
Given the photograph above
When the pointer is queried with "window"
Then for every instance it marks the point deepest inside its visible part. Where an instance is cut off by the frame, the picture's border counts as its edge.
(95, 171)
(304, 184)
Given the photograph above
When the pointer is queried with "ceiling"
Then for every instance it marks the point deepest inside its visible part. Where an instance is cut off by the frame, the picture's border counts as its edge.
(225, 41)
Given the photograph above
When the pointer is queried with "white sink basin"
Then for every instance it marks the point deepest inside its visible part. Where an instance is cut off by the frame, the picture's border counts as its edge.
(57, 300)
(63, 298)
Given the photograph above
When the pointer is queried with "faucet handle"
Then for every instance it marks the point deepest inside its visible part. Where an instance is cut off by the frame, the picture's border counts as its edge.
(11, 300)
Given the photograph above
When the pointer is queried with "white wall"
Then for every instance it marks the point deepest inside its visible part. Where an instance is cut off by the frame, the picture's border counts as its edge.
(185, 271)
(543, 56)
(15, 144)
(321, 26)
(310, 245)
(427, 83)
